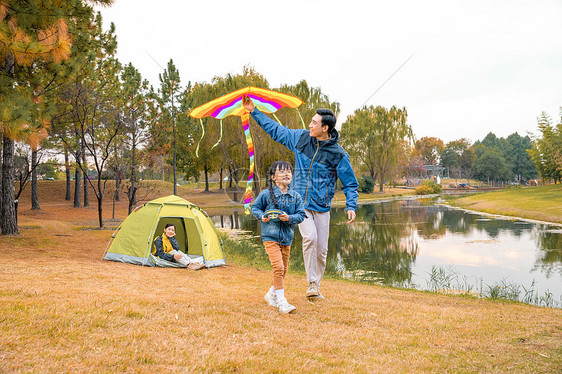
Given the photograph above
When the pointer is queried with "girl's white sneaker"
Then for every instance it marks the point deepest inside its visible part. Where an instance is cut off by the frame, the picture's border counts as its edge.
(271, 298)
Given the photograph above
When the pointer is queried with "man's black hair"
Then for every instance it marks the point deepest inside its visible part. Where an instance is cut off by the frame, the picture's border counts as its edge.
(168, 225)
(328, 118)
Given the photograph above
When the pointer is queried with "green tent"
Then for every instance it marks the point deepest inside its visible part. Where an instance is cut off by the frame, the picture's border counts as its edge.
(197, 236)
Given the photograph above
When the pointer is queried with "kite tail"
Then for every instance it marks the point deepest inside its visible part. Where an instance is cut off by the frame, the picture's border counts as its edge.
(277, 119)
(220, 138)
(302, 120)
(249, 184)
(202, 135)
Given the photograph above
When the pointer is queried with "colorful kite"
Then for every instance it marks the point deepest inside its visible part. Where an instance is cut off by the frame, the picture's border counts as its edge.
(231, 105)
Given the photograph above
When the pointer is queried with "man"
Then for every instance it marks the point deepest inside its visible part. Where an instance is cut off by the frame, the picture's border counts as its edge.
(319, 161)
(167, 248)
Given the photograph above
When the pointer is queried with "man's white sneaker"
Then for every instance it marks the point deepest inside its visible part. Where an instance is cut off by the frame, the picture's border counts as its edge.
(285, 307)
(317, 297)
(312, 289)
(271, 299)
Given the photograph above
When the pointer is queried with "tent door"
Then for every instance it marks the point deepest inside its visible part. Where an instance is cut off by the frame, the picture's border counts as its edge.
(187, 234)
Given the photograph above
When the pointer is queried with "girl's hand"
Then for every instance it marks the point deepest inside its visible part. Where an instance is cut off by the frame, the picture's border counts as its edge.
(284, 217)
(265, 218)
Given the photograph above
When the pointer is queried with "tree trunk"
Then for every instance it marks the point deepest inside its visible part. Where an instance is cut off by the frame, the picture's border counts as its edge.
(113, 212)
(175, 177)
(85, 174)
(67, 174)
(220, 179)
(77, 187)
(117, 185)
(34, 199)
(9, 215)
(1, 162)
(100, 200)
(132, 197)
(133, 189)
(206, 178)
(77, 175)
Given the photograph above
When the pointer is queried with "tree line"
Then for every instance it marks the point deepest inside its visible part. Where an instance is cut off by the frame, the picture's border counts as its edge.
(65, 96)
(381, 145)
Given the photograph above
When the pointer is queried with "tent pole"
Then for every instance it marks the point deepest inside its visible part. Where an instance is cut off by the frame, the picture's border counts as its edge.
(151, 234)
(110, 241)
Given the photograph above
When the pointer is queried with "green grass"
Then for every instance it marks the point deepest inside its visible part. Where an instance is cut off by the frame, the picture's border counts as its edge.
(542, 203)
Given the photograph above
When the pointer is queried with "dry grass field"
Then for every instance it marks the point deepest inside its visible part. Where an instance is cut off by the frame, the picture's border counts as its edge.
(64, 310)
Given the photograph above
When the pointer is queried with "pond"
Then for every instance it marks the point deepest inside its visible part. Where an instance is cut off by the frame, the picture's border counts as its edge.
(422, 244)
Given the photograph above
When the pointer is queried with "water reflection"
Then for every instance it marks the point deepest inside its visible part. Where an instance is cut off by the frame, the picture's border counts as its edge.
(401, 242)
(549, 259)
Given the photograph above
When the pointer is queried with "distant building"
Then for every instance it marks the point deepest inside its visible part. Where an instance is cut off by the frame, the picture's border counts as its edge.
(427, 171)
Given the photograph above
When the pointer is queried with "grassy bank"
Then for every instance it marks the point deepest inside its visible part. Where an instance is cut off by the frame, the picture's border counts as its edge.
(62, 309)
(542, 203)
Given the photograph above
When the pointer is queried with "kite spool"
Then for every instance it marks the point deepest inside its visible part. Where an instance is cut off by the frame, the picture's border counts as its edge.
(273, 214)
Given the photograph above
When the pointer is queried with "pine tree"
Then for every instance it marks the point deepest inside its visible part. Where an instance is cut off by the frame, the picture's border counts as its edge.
(168, 98)
(134, 117)
(35, 38)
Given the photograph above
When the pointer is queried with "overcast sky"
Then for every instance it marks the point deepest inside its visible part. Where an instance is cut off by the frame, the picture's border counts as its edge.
(477, 66)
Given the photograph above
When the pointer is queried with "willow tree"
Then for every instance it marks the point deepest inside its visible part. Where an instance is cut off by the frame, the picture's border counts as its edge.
(221, 145)
(374, 138)
(546, 151)
(313, 98)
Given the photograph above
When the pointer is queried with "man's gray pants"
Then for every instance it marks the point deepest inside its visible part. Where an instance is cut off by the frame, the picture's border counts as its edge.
(315, 230)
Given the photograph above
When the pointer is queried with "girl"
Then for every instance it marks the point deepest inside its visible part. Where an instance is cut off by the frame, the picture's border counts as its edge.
(277, 228)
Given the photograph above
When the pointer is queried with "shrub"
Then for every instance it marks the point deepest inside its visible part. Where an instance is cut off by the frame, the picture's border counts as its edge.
(367, 184)
(428, 187)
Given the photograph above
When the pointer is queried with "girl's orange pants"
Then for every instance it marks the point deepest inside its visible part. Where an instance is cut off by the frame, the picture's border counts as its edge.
(279, 258)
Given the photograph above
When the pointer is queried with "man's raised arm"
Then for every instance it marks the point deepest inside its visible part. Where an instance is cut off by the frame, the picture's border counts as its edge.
(281, 134)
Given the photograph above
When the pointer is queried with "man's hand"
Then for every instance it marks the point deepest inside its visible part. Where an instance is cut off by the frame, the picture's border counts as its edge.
(248, 104)
(350, 216)
(177, 257)
(265, 218)
(284, 217)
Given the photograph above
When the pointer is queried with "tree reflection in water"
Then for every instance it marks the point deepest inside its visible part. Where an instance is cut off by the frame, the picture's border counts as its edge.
(549, 259)
(384, 242)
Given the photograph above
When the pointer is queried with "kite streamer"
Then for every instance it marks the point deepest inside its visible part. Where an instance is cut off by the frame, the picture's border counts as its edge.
(266, 101)
(250, 144)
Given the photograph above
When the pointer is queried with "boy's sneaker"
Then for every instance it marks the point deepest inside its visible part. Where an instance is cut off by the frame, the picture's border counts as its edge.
(285, 307)
(271, 298)
(312, 289)
(195, 266)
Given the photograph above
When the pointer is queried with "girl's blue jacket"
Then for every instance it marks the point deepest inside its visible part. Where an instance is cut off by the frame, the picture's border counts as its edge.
(290, 203)
(317, 165)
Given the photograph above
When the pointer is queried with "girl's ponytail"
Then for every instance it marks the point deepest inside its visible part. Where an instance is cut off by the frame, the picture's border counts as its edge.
(271, 194)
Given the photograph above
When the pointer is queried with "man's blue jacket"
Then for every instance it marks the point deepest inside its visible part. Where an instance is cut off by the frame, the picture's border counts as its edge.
(318, 164)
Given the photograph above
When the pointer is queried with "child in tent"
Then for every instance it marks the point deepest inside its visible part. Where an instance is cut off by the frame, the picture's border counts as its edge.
(167, 248)
(278, 208)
